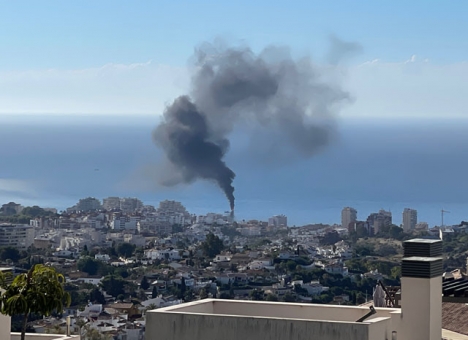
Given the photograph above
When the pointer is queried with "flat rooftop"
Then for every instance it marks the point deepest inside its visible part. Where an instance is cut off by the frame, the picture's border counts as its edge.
(280, 310)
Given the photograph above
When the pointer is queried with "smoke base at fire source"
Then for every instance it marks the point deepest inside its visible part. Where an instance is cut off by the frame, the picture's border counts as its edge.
(290, 102)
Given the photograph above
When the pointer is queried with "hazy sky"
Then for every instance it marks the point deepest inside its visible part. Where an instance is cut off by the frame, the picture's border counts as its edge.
(131, 56)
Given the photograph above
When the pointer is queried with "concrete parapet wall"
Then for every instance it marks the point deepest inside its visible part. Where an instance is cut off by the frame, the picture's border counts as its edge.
(182, 326)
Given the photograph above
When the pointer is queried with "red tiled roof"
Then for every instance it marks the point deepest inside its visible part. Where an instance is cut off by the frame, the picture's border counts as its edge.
(455, 317)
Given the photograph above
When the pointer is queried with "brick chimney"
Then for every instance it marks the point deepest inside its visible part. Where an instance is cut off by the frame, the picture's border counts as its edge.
(421, 290)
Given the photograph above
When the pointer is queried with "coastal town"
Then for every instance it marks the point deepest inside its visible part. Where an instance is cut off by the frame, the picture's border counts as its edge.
(122, 258)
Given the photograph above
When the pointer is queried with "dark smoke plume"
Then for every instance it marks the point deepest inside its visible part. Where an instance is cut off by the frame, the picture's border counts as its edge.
(185, 136)
(294, 99)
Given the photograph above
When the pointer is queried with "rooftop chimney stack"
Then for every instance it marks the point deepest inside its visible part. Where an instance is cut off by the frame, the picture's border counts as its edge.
(421, 289)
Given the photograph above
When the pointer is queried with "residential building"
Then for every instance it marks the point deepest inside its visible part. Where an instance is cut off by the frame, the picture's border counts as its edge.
(11, 208)
(422, 226)
(164, 254)
(87, 204)
(419, 318)
(102, 257)
(120, 222)
(410, 219)
(19, 236)
(129, 205)
(111, 203)
(348, 218)
(378, 220)
(278, 221)
(171, 206)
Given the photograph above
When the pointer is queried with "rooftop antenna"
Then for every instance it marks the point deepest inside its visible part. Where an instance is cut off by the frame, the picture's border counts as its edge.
(442, 212)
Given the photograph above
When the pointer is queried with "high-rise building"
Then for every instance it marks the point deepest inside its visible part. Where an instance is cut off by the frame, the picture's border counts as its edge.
(278, 221)
(348, 217)
(111, 203)
(87, 204)
(130, 204)
(410, 219)
(378, 220)
(19, 236)
(171, 206)
(11, 208)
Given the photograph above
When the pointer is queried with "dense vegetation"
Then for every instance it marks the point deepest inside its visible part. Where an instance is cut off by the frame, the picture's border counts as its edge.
(27, 214)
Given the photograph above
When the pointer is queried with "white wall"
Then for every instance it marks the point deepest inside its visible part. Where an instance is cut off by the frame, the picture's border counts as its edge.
(179, 326)
(5, 323)
(34, 336)
(421, 306)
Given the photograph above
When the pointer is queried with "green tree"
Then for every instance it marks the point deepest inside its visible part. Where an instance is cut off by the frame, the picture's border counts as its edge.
(94, 334)
(288, 297)
(144, 284)
(183, 286)
(396, 272)
(212, 246)
(39, 291)
(203, 294)
(125, 249)
(113, 285)
(271, 297)
(96, 296)
(364, 250)
(256, 294)
(88, 265)
(10, 253)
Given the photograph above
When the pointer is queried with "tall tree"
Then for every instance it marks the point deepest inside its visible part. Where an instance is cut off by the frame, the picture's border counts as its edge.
(96, 296)
(144, 284)
(88, 265)
(10, 253)
(113, 285)
(212, 246)
(125, 249)
(40, 291)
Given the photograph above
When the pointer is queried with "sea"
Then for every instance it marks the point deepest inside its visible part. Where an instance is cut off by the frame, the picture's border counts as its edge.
(370, 164)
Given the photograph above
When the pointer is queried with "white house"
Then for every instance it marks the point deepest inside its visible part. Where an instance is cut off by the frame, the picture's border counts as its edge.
(260, 264)
(102, 257)
(163, 254)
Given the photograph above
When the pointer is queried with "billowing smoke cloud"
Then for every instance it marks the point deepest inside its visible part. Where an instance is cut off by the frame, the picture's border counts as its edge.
(294, 98)
(185, 137)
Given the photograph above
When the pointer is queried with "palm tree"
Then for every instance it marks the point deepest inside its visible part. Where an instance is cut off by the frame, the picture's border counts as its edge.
(80, 323)
(151, 306)
(40, 290)
(94, 334)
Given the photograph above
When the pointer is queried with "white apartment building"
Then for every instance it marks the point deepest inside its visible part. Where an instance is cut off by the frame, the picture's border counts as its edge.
(163, 254)
(124, 222)
(171, 206)
(19, 236)
(129, 204)
(410, 219)
(88, 204)
(278, 221)
(102, 257)
(313, 287)
(111, 203)
(348, 216)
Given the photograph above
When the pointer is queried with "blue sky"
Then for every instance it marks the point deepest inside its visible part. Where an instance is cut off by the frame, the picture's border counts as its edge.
(37, 36)
(75, 34)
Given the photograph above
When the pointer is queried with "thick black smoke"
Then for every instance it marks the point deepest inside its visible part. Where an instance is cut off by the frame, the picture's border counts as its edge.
(294, 99)
(185, 137)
